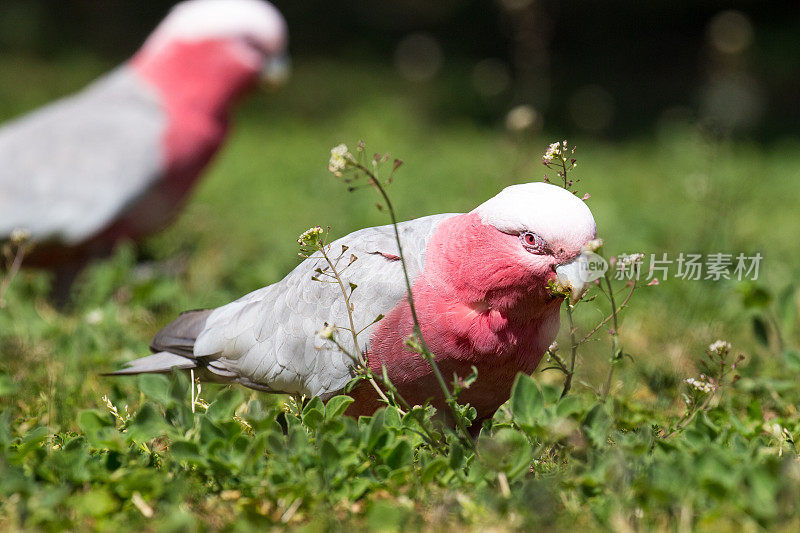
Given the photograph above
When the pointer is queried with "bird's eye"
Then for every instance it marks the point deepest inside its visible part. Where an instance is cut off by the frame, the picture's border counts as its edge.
(533, 243)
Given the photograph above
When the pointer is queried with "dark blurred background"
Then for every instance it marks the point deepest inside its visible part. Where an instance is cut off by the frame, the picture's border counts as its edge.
(614, 68)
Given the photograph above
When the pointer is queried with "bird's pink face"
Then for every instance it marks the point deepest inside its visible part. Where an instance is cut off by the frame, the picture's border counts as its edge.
(505, 254)
(531, 259)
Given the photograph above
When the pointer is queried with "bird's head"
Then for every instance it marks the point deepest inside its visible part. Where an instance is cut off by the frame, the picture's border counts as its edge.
(508, 251)
(541, 231)
(250, 35)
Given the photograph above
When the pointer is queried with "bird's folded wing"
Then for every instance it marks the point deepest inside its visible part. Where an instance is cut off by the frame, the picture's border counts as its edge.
(270, 337)
(68, 169)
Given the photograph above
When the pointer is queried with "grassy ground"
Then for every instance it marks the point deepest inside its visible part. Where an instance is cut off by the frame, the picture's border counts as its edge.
(676, 191)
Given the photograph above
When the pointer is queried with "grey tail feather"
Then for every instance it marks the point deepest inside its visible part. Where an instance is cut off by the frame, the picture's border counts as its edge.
(161, 362)
(179, 335)
(173, 346)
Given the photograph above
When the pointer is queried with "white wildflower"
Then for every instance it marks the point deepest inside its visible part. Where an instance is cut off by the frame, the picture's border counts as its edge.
(630, 259)
(561, 287)
(19, 235)
(720, 347)
(310, 237)
(593, 245)
(551, 350)
(704, 384)
(94, 317)
(552, 151)
(113, 410)
(339, 159)
(326, 332)
(108, 403)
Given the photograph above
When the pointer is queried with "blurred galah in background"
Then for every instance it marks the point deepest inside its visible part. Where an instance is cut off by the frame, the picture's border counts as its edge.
(116, 160)
(482, 285)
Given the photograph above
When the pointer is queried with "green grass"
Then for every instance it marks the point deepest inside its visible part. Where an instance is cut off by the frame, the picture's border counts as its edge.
(65, 464)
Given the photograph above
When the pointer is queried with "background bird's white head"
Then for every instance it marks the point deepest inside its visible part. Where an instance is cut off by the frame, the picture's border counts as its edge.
(255, 22)
(553, 213)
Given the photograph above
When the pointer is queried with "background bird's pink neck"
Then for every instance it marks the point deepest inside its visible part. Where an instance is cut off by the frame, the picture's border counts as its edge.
(204, 76)
(197, 84)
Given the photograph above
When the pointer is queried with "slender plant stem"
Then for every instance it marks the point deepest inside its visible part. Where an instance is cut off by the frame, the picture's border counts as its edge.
(615, 355)
(559, 363)
(12, 270)
(426, 353)
(685, 421)
(622, 306)
(337, 276)
(719, 382)
(573, 349)
(358, 355)
(191, 377)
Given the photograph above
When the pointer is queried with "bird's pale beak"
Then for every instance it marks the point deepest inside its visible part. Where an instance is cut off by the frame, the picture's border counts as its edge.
(276, 70)
(572, 277)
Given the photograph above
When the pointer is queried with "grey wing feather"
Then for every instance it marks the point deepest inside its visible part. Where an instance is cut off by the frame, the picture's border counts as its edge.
(70, 168)
(268, 338)
(179, 336)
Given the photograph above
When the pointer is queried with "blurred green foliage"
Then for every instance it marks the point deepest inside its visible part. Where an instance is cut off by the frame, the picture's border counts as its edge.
(546, 462)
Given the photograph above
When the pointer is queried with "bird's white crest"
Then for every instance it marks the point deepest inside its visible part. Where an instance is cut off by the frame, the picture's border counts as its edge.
(553, 213)
(195, 20)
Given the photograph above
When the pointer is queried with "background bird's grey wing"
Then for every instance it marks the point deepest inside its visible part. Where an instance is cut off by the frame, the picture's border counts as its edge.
(68, 169)
(269, 337)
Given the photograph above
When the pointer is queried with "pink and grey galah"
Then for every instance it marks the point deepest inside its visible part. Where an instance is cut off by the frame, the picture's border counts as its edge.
(482, 287)
(116, 160)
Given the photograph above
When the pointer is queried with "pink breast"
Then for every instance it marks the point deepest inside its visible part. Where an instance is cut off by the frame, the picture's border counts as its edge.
(499, 340)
